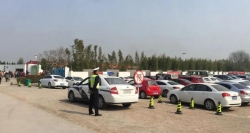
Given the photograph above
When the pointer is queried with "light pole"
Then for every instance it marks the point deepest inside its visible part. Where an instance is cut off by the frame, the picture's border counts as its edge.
(36, 56)
(184, 56)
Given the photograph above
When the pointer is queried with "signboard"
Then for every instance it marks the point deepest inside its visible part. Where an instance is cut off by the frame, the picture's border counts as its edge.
(138, 77)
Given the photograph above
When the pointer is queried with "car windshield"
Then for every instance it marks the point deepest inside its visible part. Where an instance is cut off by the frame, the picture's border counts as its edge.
(207, 79)
(173, 83)
(151, 82)
(112, 81)
(78, 78)
(240, 86)
(58, 77)
(214, 79)
(186, 80)
(219, 88)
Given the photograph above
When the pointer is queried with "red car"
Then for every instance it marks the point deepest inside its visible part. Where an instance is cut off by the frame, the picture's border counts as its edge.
(149, 88)
(182, 81)
(194, 79)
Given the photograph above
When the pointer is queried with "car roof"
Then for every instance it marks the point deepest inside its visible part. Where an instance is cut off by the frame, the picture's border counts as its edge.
(204, 83)
(165, 80)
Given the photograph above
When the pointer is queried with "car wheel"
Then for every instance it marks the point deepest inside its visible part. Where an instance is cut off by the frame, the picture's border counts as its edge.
(64, 87)
(209, 104)
(49, 85)
(143, 95)
(72, 97)
(126, 105)
(173, 99)
(165, 93)
(101, 103)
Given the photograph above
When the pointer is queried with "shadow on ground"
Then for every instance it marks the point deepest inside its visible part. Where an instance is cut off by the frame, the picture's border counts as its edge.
(114, 107)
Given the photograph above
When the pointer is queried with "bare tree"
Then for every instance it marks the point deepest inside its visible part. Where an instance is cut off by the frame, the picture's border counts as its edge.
(240, 60)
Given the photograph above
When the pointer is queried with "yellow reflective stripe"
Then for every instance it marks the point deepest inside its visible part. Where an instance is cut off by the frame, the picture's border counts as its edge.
(92, 81)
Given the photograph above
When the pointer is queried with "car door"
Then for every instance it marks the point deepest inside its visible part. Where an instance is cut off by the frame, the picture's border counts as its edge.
(69, 80)
(43, 80)
(200, 93)
(162, 85)
(81, 90)
(186, 93)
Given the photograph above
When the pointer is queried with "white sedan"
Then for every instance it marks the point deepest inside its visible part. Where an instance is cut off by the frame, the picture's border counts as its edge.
(52, 81)
(210, 79)
(113, 90)
(206, 94)
(167, 85)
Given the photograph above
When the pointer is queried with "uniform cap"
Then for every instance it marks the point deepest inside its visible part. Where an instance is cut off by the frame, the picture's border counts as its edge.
(96, 69)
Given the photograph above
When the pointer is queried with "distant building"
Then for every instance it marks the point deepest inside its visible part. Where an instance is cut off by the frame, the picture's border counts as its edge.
(31, 66)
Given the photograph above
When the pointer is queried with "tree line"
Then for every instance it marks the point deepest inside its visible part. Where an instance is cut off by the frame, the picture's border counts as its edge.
(80, 56)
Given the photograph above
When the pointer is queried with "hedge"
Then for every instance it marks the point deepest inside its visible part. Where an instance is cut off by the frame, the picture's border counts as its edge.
(33, 78)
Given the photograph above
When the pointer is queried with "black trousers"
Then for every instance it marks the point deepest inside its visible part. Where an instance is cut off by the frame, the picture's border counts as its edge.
(94, 96)
(0, 80)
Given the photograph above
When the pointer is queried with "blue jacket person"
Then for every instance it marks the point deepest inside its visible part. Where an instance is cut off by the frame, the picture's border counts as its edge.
(94, 86)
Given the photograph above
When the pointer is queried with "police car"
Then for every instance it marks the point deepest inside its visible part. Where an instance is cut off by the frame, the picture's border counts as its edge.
(113, 90)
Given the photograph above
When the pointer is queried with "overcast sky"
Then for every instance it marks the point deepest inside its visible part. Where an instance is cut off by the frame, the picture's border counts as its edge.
(202, 29)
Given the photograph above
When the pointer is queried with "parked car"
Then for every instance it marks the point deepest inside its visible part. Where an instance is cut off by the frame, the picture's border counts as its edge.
(243, 82)
(167, 85)
(224, 77)
(206, 94)
(182, 81)
(194, 79)
(210, 79)
(148, 87)
(113, 90)
(243, 91)
(73, 80)
(52, 81)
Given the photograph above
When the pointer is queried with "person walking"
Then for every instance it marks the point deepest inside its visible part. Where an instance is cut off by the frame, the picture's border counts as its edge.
(94, 82)
(1, 76)
(7, 76)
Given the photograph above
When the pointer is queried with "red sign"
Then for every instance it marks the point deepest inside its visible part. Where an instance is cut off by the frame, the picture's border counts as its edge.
(138, 77)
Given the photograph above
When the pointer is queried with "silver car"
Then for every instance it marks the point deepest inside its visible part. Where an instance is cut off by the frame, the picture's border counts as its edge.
(243, 90)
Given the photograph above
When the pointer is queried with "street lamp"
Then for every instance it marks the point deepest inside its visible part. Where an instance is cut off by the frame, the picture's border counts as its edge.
(184, 56)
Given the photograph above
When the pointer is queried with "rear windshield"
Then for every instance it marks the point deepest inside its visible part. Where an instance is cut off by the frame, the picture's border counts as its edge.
(245, 83)
(219, 88)
(112, 81)
(151, 82)
(173, 83)
(58, 77)
(240, 86)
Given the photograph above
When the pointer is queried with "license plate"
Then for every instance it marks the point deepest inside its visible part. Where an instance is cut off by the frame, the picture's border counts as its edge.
(61, 84)
(234, 97)
(156, 93)
(127, 92)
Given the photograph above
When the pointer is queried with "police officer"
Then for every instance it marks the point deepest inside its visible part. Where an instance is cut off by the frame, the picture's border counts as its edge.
(94, 92)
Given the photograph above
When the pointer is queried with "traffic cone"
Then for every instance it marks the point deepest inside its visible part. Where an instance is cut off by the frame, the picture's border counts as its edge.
(178, 111)
(151, 103)
(192, 103)
(40, 85)
(19, 84)
(160, 99)
(29, 85)
(219, 112)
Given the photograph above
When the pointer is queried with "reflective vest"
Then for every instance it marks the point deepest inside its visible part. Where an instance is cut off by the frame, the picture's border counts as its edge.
(92, 81)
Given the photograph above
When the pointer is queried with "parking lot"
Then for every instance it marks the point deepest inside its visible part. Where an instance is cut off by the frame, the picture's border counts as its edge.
(137, 118)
